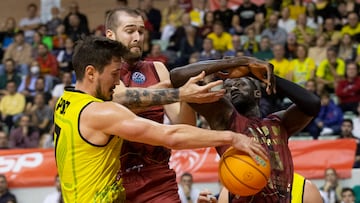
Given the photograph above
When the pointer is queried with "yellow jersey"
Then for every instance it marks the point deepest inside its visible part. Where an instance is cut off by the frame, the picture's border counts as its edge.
(281, 68)
(298, 187)
(88, 172)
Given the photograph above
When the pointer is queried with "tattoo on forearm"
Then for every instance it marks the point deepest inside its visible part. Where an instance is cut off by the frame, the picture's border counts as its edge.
(139, 98)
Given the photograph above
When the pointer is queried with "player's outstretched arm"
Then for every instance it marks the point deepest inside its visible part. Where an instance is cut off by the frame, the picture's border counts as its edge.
(109, 118)
(191, 92)
(227, 68)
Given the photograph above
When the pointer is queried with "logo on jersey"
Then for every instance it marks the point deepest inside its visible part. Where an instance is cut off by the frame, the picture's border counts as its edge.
(138, 77)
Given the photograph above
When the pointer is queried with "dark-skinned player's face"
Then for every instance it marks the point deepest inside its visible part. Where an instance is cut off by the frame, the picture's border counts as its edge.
(242, 91)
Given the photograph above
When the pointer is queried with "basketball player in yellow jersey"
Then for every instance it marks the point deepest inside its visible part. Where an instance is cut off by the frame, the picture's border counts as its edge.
(89, 128)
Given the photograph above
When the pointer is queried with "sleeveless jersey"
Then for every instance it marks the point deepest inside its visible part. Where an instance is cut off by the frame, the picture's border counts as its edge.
(88, 172)
(143, 74)
(145, 168)
(273, 137)
(297, 191)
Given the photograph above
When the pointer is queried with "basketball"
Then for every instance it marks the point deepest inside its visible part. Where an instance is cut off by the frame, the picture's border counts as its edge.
(241, 175)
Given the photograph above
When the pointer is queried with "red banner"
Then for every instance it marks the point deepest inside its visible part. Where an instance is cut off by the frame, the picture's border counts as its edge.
(36, 167)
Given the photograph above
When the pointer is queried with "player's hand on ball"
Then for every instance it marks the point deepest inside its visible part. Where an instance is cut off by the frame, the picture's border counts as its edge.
(206, 197)
(250, 146)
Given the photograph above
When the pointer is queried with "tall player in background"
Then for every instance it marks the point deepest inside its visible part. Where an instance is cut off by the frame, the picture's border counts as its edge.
(145, 168)
(239, 111)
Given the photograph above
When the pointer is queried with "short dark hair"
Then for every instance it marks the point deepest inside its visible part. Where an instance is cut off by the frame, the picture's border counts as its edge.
(112, 21)
(347, 120)
(347, 189)
(95, 51)
(186, 174)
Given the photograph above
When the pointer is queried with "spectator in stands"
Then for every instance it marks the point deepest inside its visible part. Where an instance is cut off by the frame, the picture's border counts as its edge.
(333, 36)
(83, 21)
(45, 37)
(187, 192)
(246, 11)
(285, 22)
(12, 105)
(121, 3)
(206, 28)
(27, 85)
(220, 38)
(301, 68)
(24, 135)
(10, 74)
(153, 15)
(180, 32)
(236, 41)
(251, 45)
(75, 30)
(4, 140)
(330, 70)
(279, 61)
(41, 114)
(189, 44)
(55, 197)
(318, 52)
(329, 119)
(59, 39)
(5, 195)
(197, 14)
(7, 33)
(224, 14)
(356, 122)
(331, 190)
(48, 64)
(20, 51)
(30, 23)
(347, 195)
(66, 80)
(39, 38)
(313, 20)
(54, 22)
(348, 89)
(64, 57)
(208, 52)
(258, 25)
(296, 7)
(346, 132)
(265, 52)
(304, 34)
(41, 88)
(156, 54)
(341, 15)
(347, 49)
(268, 8)
(352, 6)
(276, 34)
(291, 46)
(353, 26)
(171, 19)
(324, 9)
(236, 28)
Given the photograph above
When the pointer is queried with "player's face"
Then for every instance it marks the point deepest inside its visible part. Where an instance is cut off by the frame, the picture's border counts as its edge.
(107, 80)
(130, 32)
(241, 91)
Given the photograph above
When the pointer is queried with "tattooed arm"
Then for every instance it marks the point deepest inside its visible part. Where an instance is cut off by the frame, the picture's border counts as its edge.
(159, 94)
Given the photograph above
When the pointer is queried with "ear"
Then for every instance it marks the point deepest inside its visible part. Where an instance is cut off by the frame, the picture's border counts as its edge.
(110, 34)
(90, 72)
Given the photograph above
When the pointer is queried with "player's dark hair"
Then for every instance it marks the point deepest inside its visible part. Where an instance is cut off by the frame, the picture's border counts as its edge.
(95, 51)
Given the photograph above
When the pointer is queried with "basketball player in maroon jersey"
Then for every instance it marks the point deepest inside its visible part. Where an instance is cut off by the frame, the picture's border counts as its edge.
(239, 111)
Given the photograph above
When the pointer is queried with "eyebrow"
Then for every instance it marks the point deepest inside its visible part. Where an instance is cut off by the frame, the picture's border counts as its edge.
(133, 25)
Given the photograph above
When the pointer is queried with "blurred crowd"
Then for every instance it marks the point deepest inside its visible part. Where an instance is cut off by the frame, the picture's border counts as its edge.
(312, 43)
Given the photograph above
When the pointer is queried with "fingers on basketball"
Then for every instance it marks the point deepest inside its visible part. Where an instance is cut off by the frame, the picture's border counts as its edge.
(241, 175)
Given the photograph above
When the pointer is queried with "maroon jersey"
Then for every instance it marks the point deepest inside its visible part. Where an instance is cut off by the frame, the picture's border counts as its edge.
(274, 138)
(142, 163)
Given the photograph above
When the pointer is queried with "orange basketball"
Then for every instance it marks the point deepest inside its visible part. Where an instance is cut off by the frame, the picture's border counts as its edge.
(241, 175)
